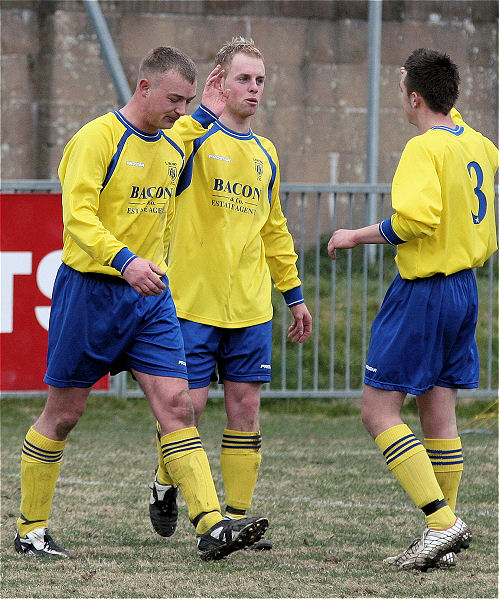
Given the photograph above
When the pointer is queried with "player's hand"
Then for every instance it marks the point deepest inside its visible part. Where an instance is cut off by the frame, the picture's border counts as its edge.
(142, 275)
(342, 238)
(214, 97)
(301, 327)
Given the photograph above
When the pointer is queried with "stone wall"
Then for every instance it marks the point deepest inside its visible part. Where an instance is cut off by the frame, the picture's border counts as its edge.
(54, 78)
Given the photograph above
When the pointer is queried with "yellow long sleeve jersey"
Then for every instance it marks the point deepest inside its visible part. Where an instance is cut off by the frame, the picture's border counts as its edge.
(229, 234)
(118, 185)
(443, 196)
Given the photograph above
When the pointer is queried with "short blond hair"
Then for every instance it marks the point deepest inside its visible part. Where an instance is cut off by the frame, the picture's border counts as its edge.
(237, 45)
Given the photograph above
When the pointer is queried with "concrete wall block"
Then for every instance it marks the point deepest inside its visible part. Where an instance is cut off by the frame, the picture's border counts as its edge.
(18, 158)
(286, 85)
(432, 11)
(80, 78)
(74, 33)
(62, 120)
(479, 89)
(352, 166)
(19, 31)
(320, 42)
(199, 38)
(282, 41)
(388, 162)
(400, 39)
(300, 166)
(395, 131)
(319, 85)
(341, 130)
(350, 42)
(139, 35)
(390, 94)
(284, 126)
(482, 45)
(16, 76)
(351, 84)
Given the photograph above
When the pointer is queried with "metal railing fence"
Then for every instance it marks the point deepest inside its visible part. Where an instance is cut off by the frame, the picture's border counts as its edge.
(343, 295)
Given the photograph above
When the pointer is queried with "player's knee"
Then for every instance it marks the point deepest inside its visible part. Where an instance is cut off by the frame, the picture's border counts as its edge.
(243, 415)
(249, 406)
(367, 416)
(66, 421)
(181, 407)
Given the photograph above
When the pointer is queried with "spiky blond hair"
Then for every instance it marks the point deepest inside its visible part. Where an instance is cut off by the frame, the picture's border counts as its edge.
(237, 44)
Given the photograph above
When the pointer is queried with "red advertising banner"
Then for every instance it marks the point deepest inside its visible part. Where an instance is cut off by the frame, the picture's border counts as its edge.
(31, 245)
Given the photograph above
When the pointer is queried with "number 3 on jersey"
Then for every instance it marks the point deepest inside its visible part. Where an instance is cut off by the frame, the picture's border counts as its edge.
(473, 166)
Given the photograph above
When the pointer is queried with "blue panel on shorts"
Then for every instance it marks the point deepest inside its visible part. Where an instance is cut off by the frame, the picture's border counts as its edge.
(424, 335)
(242, 354)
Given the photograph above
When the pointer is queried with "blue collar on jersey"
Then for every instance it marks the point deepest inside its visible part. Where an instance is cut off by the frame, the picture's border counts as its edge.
(240, 136)
(457, 130)
(147, 137)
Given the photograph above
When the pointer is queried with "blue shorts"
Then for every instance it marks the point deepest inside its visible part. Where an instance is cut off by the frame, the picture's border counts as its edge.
(99, 324)
(242, 354)
(424, 335)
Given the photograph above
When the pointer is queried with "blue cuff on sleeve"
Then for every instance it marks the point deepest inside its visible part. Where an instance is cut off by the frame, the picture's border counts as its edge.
(204, 116)
(122, 260)
(294, 296)
(388, 233)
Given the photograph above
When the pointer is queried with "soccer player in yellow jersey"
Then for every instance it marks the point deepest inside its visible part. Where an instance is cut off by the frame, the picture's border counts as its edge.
(111, 307)
(422, 340)
(229, 239)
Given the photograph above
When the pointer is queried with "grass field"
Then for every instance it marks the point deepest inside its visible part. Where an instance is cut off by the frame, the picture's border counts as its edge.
(335, 511)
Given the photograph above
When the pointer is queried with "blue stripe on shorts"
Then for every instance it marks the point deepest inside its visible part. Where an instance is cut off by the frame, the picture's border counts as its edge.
(424, 335)
(100, 324)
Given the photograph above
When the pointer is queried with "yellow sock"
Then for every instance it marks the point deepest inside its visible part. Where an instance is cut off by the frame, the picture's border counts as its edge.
(162, 475)
(406, 457)
(40, 466)
(448, 463)
(188, 466)
(240, 461)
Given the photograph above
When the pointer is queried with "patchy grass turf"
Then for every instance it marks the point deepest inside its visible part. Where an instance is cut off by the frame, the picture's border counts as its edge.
(335, 511)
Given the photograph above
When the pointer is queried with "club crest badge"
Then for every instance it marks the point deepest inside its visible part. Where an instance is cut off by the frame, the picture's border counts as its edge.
(172, 171)
(259, 168)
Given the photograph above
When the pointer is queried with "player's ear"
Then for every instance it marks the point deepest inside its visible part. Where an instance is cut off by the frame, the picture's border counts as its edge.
(144, 86)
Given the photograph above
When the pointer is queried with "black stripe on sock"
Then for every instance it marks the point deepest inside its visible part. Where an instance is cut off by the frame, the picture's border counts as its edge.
(433, 506)
(235, 511)
(197, 519)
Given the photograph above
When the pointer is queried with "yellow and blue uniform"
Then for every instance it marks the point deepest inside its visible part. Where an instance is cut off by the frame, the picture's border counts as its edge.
(229, 241)
(444, 226)
(118, 185)
(229, 235)
(443, 196)
(118, 188)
